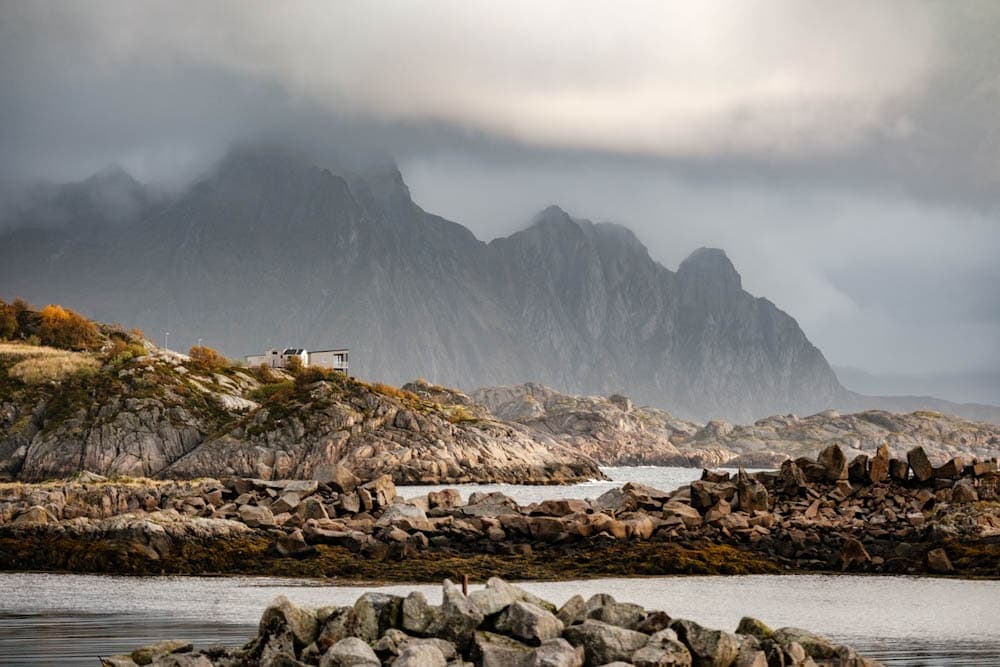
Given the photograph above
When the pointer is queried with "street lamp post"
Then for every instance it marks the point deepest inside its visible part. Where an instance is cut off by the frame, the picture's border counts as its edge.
(166, 340)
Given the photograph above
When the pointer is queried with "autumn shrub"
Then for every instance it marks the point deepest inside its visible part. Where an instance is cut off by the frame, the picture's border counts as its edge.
(312, 374)
(294, 365)
(394, 392)
(66, 329)
(460, 413)
(267, 391)
(207, 359)
(18, 320)
(265, 374)
(27, 318)
(121, 350)
(8, 321)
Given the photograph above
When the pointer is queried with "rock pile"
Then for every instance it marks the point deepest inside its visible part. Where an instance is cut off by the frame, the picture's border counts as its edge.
(499, 625)
(876, 514)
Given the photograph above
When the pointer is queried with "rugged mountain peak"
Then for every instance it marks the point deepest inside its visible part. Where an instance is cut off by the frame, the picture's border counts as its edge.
(555, 223)
(110, 196)
(709, 266)
(553, 214)
(272, 247)
(552, 223)
(112, 176)
(257, 163)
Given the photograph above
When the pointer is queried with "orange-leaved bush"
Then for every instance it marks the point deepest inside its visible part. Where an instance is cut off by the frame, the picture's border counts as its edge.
(207, 358)
(63, 328)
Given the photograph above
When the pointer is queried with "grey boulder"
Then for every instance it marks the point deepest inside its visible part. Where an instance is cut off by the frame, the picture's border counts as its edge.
(350, 652)
(603, 643)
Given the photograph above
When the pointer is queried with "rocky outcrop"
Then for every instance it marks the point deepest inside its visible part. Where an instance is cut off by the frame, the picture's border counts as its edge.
(826, 514)
(342, 423)
(133, 417)
(769, 441)
(520, 631)
(615, 432)
(162, 414)
(610, 430)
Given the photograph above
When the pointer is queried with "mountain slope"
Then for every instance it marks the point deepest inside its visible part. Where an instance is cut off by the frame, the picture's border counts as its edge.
(271, 250)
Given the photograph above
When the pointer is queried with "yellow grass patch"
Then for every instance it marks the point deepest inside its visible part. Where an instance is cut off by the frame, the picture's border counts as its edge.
(15, 351)
(37, 365)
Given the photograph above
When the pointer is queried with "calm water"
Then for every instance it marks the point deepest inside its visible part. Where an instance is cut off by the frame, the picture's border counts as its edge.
(663, 478)
(70, 619)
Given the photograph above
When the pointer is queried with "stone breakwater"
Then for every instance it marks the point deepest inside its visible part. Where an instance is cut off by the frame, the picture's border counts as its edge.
(499, 625)
(869, 514)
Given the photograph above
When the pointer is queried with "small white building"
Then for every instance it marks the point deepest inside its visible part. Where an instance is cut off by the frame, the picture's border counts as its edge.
(274, 358)
(335, 359)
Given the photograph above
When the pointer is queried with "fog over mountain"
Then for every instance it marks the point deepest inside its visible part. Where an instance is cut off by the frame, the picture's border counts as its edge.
(845, 158)
(271, 249)
(983, 387)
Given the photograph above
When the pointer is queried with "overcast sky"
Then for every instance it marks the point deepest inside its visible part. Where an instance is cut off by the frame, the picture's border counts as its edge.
(846, 155)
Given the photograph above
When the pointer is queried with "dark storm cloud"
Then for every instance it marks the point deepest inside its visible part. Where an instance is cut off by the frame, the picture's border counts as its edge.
(847, 157)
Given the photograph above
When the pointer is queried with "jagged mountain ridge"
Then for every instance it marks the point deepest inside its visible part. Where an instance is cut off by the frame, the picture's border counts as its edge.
(270, 249)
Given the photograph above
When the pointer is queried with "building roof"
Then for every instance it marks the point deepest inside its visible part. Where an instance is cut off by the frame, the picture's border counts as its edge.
(293, 350)
(340, 349)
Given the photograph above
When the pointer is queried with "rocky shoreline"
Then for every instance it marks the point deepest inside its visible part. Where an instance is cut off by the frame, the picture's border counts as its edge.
(498, 625)
(143, 411)
(613, 431)
(878, 514)
(125, 407)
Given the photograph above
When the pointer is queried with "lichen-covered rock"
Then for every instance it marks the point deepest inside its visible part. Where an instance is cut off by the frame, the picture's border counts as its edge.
(815, 646)
(350, 652)
(662, 650)
(556, 653)
(458, 617)
(374, 613)
(754, 628)
(529, 623)
(709, 648)
(420, 655)
(603, 643)
(490, 649)
(300, 622)
(416, 615)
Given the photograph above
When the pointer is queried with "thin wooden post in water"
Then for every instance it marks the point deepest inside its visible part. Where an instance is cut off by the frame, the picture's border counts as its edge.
(465, 584)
